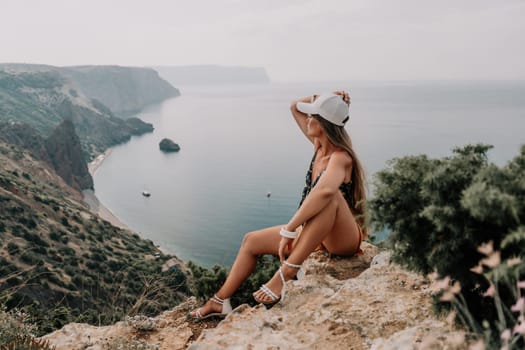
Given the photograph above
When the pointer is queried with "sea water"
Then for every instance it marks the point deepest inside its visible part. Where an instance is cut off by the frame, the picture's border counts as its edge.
(240, 143)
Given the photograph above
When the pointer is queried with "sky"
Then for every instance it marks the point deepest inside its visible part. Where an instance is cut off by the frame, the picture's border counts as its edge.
(295, 40)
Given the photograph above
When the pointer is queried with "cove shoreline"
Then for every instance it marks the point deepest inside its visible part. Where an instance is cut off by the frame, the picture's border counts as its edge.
(97, 208)
(91, 199)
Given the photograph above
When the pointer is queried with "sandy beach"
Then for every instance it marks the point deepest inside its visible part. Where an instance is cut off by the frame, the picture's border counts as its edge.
(91, 199)
(97, 162)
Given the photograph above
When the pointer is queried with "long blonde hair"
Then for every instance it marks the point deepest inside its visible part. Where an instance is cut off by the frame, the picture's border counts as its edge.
(338, 136)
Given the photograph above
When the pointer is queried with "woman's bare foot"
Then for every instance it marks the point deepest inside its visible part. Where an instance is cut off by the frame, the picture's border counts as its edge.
(275, 284)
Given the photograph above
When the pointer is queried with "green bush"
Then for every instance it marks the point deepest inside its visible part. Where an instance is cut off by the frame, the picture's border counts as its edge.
(55, 236)
(30, 258)
(439, 211)
(27, 222)
(12, 248)
(14, 327)
(65, 221)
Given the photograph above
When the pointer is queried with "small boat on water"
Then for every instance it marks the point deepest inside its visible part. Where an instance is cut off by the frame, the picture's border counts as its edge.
(146, 193)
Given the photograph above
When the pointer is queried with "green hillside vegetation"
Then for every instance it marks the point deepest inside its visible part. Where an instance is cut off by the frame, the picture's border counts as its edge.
(59, 263)
(464, 218)
(43, 99)
(19, 99)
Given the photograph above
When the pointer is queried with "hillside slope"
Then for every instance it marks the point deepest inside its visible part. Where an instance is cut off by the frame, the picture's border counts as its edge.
(61, 264)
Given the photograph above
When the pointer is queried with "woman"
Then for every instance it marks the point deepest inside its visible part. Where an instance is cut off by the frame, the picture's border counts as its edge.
(330, 216)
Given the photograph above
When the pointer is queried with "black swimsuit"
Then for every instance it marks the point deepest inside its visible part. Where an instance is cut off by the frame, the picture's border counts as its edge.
(345, 188)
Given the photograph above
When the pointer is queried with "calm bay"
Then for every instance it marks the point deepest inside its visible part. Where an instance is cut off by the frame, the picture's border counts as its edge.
(239, 143)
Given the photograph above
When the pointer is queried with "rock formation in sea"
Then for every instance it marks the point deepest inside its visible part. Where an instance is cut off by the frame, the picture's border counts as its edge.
(362, 302)
(167, 145)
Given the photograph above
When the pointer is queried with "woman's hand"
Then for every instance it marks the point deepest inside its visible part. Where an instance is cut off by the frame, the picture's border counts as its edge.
(285, 242)
(344, 95)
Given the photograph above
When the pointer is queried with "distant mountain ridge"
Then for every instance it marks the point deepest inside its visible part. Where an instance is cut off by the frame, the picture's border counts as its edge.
(124, 90)
(212, 75)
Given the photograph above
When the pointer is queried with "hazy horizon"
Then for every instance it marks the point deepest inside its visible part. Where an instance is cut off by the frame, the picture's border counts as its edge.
(310, 40)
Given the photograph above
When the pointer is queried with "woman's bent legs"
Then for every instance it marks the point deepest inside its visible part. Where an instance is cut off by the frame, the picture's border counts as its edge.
(312, 234)
(265, 241)
(334, 226)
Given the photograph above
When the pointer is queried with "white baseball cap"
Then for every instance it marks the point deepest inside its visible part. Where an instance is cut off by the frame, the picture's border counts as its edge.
(329, 106)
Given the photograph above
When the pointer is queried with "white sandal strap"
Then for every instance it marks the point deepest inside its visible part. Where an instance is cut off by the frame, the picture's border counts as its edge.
(283, 290)
(217, 300)
(269, 293)
(292, 265)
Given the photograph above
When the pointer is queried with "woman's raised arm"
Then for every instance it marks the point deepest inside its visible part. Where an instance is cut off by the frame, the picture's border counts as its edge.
(300, 117)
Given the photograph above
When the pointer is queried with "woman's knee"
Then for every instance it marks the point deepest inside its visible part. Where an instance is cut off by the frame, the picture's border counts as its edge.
(247, 241)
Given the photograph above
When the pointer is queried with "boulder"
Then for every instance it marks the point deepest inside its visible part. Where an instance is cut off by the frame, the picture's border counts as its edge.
(167, 145)
(360, 302)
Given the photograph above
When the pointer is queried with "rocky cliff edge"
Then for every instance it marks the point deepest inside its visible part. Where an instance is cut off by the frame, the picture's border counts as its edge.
(363, 302)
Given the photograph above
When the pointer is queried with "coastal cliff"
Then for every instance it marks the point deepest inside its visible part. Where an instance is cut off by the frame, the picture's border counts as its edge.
(363, 302)
(65, 151)
(43, 99)
(124, 90)
(62, 150)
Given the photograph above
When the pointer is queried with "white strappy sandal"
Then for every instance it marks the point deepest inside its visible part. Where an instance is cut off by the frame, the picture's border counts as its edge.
(274, 297)
(226, 309)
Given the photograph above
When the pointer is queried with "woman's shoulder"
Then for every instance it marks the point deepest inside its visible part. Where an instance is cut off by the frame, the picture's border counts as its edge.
(341, 157)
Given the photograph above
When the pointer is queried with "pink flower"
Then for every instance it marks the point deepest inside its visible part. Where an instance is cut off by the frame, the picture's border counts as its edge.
(477, 269)
(505, 335)
(486, 248)
(456, 288)
(493, 260)
(447, 296)
(518, 307)
(433, 276)
(513, 261)
(478, 345)
(441, 284)
(520, 328)
(490, 292)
